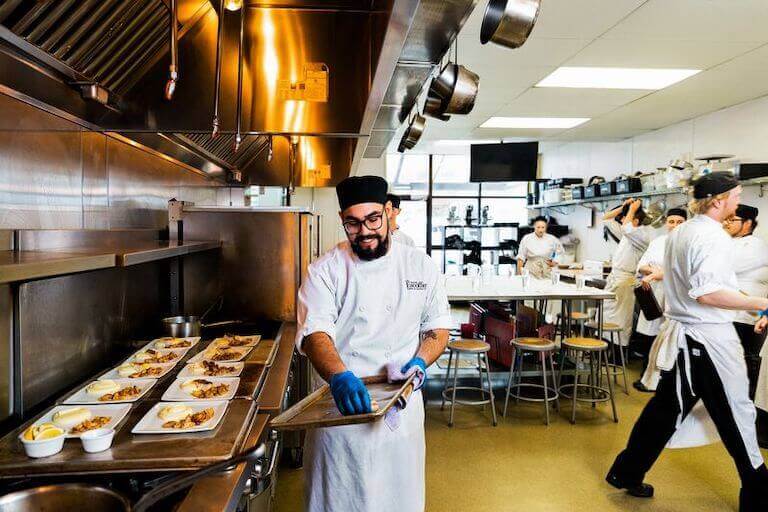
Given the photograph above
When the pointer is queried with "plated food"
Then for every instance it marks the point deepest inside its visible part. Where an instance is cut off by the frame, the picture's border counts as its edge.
(111, 391)
(182, 417)
(222, 354)
(74, 420)
(169, 342)
(234, 340)
(156, 356)
(207, 388)
(212, 369)
(42, 440)
(131, 370)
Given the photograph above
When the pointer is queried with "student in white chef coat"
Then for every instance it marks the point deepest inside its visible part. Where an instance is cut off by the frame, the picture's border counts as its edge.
(700, 356)
(366, 304)
(621, 281)
(393, 202)
(539, 250)
(651, 268)
(751, 267)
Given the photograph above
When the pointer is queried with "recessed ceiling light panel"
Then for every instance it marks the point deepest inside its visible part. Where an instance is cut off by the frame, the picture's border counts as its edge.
(615, 78)
(534, 122)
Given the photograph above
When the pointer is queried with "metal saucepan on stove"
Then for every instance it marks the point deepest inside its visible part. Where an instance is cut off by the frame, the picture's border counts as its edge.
(100, 499)
(509, 22)
(186, 326)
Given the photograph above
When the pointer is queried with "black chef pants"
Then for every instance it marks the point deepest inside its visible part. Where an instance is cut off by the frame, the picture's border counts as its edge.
(753, 344)
(657, 423)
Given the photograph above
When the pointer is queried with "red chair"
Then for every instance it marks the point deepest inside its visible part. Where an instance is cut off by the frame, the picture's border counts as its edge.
(498, 334)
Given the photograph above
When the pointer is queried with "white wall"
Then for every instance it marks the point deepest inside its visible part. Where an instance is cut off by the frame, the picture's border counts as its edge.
(741, 130)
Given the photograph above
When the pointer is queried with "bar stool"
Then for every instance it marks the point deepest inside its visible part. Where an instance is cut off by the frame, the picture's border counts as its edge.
(544, 348)
(576, 317)
(479, 348)
(616, 369)
(589, 352)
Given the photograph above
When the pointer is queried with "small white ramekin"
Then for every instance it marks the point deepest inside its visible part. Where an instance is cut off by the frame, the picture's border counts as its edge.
(43, 448)
(97, 440)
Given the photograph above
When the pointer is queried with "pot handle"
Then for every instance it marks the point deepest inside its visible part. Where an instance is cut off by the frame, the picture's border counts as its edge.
(224, 322)
(185, 480)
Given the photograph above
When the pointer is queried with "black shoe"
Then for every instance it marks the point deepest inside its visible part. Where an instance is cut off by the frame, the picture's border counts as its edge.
(638, 385)
(638, 490)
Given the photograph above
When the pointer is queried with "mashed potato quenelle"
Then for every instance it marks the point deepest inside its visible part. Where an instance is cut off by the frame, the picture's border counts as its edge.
(70, 417)
(102, 387)
(176, 412)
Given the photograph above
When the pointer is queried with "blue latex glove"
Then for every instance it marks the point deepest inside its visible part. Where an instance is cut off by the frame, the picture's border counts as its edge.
(416, 361)
(350, 394)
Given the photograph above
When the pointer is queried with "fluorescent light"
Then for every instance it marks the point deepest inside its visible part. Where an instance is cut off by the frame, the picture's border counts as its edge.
(615, 78)
(534, 122)
(465, 142)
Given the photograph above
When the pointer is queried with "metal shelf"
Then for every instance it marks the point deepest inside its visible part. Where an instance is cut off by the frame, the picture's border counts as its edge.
(37, 264)
(618, 197)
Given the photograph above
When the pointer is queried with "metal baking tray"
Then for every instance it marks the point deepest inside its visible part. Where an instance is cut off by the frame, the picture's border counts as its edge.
(318, 410)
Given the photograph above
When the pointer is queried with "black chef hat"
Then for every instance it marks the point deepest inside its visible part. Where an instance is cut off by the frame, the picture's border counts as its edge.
(361, 189)
(680, 212)
(713, 184)
(395, 200)
(747, 212)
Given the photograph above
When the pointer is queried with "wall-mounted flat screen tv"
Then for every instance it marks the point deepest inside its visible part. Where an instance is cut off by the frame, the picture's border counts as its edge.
(516, 161)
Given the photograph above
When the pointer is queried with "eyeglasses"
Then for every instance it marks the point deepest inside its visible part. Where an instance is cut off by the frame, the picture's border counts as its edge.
(372, 222)
(734, 219)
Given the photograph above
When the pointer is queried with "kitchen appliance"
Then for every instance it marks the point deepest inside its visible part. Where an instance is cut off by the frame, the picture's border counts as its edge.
(509, 22)
(77, 496)
(608, 189)
(628, 185)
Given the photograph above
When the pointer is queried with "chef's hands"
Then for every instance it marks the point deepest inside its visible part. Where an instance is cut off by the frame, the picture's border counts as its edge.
(655, 275)
(634, 204)
(761, 324)
(416, 361)
(350, 394)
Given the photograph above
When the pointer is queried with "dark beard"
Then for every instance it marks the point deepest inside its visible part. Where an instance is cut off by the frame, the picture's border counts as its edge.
(370, 254)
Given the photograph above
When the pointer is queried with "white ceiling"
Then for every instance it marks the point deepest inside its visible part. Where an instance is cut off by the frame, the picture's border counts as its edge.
(725, 38)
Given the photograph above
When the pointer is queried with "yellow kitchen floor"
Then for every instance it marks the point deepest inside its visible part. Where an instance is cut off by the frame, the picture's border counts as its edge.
(523, 465)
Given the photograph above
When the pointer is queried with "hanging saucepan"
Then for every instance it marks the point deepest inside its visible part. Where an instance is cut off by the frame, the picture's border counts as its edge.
(412, 133)
(509, 22)
(434, 108)
(78, 496)
(462, 98)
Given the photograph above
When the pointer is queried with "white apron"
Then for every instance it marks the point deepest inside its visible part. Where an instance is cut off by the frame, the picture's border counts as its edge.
(654, 255)
(725, 351)
(374, 312)
(761, 394)
(621, 310)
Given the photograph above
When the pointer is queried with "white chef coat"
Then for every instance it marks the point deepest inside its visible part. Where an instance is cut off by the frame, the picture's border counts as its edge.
(398, 236)
(374, 311)
(698, 261)
(750, 263)
(654, 256)
(539, 247)
(621, 281)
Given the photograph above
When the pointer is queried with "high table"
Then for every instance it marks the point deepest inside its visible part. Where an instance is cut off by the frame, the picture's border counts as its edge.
(465, 288)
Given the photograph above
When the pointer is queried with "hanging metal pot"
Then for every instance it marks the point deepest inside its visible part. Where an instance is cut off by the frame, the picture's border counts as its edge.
(413, 133)
(433, 107)
(464, 93)
(509, 22)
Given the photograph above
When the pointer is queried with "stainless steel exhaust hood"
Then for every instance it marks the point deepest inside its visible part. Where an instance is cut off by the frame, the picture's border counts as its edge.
(316, 74)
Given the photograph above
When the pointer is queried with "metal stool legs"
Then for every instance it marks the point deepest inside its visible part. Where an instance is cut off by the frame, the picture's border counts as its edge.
(515, 374)
(482, 361)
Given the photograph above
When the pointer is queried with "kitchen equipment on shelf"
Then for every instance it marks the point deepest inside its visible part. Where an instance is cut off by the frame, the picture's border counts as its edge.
(627, 185)
(578, 192)
(509, 22)
(77, 496)
(647, 182)
(608, 188)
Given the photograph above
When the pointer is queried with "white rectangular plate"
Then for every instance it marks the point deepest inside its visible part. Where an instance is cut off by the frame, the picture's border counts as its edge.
(82, 396)
(174, 393)
(187, 371)
(192, 339)
(115, 411)
(252, 341)
(152, 424)
(243, 352)
(179, 355)
(114, 375)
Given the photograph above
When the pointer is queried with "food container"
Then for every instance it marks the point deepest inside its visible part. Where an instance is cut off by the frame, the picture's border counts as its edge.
(628, 186)
(44, 447)
(553, 195)
(591, 191)
(578, 192)
(648, 182)
(608, 189)
(97, 440)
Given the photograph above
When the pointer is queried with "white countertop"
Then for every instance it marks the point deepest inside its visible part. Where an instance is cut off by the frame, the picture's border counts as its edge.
(511, 288)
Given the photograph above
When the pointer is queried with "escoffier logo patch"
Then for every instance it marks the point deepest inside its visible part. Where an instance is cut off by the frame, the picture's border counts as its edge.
(415, 285)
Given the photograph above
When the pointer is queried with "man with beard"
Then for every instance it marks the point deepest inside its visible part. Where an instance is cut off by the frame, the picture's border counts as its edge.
(369, 305)
(699, 354)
